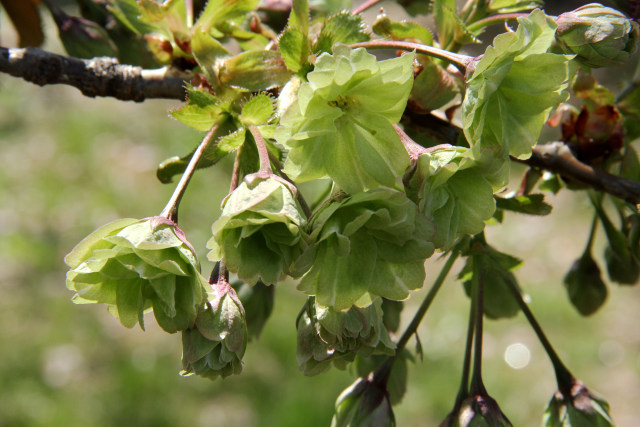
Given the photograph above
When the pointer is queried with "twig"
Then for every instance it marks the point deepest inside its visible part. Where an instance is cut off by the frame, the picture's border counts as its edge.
(93, 77)
(364, 6)
(557, 157)
(460, 61)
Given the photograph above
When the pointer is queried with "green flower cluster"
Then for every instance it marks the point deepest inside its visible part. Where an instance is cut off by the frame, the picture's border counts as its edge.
(599, 36)
(214, 347)
(341, 124)
(453, 193)
(259, 233)
(138, 265)
(327, 336)
(369, 244)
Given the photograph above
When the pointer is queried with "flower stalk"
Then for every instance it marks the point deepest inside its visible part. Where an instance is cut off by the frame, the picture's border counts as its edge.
(170, 211)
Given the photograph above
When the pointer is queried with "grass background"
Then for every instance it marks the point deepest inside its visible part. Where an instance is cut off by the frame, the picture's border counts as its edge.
(69, 164)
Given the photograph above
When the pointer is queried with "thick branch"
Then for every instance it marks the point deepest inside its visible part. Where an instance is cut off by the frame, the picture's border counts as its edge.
(94, 77)
(557, 157)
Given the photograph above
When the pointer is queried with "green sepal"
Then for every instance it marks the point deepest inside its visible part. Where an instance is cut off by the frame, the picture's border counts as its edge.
(583, 408)
(364, 403)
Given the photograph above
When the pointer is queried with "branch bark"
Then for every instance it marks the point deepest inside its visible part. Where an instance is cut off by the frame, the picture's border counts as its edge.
(93, 77)
(557, 157)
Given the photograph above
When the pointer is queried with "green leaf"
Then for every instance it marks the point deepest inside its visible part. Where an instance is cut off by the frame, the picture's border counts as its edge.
(623, 267)
(299, 17)
(169, 17)
(550, 182)
(294, 47)
(258, 110)
(587, 291)
(495, 268)
(506, 102)
(445, 12)
(630, 167)
(530, 204)
(255, 71)
(433, 88)
(201, 110)
(402, 30)
(217, 11)
(342, 27)
(207, 51)
(128, 14)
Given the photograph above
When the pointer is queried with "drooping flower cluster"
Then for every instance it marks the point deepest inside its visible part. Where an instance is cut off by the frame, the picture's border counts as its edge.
(328, 337)
(137, 265)
(259, 233)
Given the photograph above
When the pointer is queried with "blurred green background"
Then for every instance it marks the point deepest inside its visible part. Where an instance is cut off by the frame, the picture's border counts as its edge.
(69, 164)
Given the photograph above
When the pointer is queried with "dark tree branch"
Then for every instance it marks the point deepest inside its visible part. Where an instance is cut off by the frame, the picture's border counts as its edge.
(94, 77)
(557, 157)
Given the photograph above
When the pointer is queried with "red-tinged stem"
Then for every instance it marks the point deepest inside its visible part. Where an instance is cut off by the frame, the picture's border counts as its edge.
(263, 152)
(495, 19)
(364, 6)
(459, 60)
(170, 211)
(413, 148)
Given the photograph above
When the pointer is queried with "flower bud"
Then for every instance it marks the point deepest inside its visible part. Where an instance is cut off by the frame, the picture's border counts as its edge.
(587, 291)
(582, 408)
(214, 347)
(599, 36)
(327, 337)
(477, 410)
(259, 233)
(135, 265)
(364, 403)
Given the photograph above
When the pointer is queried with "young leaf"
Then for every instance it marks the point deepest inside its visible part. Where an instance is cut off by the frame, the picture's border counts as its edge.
(294, 47)
(402, 30)
(201, 111)
(342, 27)
(254, 71)
(219, 11)
(587, 291)
(257, 111)
(507, 102)
(433, 88)
(513, 6)
(531, 204)
(207, 51)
